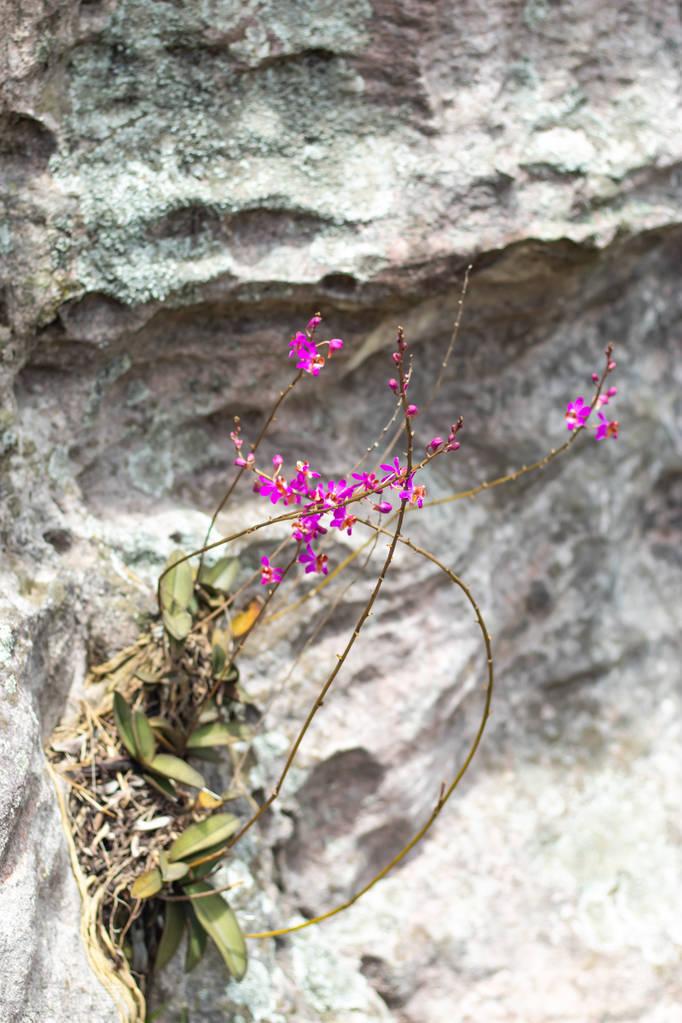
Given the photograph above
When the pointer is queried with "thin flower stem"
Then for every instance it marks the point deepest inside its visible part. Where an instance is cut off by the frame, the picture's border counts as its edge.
(453, 337)
(444, 362)
(341, 657)
(319, 625)
(384, 431)
(539, 464)
(460, 495)
(285, 517)
(445, 793)
(508, 477)
(283, 395)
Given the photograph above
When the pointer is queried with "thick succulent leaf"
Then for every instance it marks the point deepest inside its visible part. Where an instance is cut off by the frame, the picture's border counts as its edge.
(176, 871)
(212, 831)
(123, 716)
(232, 675)
(147, 884)
(177, 587)
(144, 737)
(242, 622)
(196, 940)
(221, 575)
(215, 733)
(173, 929)
(219, 850)
(162, 785)
(221, 925)
(171, 871)
(177, 769)
(209, 712)
(178, 623)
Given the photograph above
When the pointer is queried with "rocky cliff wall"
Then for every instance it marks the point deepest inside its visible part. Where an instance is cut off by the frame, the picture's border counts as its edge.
(182, 184)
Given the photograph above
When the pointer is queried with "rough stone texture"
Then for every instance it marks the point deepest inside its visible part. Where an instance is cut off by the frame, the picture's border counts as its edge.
(182, 184)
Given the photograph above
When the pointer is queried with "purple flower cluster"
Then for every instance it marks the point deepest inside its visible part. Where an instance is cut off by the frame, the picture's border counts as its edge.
(578, 411)
(305, 349)
(324, 505)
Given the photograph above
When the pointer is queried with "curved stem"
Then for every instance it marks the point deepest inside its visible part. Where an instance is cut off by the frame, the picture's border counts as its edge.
(341, 658)
(319, 625)
(446, 793)
(508, 477)
(364, 615)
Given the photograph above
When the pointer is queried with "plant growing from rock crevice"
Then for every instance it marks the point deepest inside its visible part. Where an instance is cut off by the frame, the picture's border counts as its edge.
(148, 830)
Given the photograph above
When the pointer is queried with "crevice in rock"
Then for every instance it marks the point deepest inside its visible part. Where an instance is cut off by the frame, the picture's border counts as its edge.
(26, 144)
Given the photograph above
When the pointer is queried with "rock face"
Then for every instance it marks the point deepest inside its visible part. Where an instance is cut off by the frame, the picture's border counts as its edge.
(182, 184)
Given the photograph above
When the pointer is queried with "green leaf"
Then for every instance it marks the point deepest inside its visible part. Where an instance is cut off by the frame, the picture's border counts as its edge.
(147, 884)
(221, 925)
(219, 850)
(218, 659)
(221, 575)
(216, 733)
(196, 940)
(212, 831)
(162, 785)
(173, 927)
(178, 623)
(211, 755)
(177, 587)
(144, 737)
(177, 769)
(124, 723)
(209, 712)
(171, 871)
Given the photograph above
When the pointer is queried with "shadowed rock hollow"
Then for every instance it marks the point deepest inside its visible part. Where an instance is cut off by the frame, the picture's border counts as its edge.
(182, 185)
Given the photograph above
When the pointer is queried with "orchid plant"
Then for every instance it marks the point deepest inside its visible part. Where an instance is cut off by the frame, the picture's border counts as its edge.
(182, 700)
